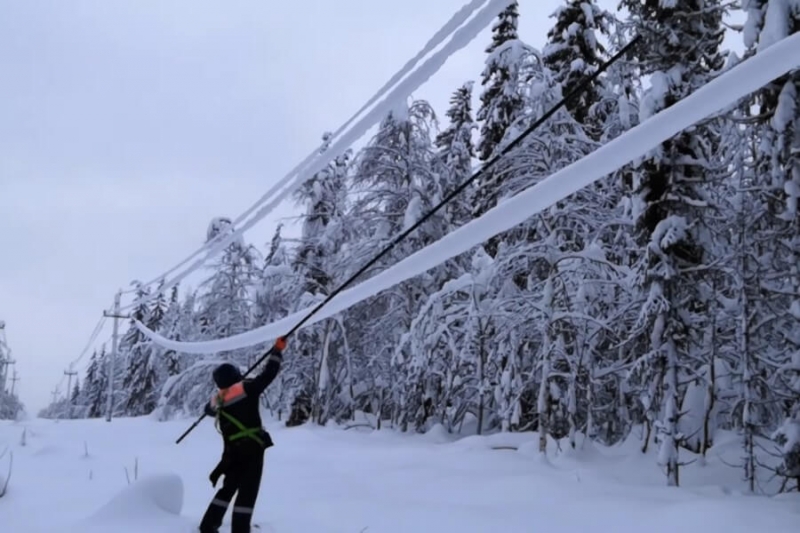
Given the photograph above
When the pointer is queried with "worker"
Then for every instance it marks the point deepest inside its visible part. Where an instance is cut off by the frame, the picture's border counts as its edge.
(236, 407)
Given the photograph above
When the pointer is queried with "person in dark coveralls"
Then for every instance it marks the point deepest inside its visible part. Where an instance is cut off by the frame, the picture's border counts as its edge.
(236, 408)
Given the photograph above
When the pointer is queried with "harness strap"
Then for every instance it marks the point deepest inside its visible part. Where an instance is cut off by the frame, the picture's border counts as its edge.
(243, 431)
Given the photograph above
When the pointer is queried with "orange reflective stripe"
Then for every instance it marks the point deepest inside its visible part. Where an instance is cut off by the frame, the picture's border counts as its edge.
(232, 394)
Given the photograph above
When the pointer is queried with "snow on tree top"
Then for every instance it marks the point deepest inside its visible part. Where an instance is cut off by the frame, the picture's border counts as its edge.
(777, 22)
(511, 53)
(578, 65)
(669, 232)
(588, 12)
(219, 226)
(572, 30)
(400, 111)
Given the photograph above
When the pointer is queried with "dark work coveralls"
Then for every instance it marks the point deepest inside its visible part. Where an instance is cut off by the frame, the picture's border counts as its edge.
(236, 407)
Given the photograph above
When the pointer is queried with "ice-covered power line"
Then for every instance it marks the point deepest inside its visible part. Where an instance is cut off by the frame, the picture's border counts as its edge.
(462, 37)
(725, 90)
(213, 247)
(70, 371)
(92, 339)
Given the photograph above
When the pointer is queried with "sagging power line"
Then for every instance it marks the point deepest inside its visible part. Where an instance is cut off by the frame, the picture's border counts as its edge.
(577, 91)
(461, 34)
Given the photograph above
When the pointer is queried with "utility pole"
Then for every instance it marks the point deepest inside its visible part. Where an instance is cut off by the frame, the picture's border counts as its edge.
(116, 316)
(69, 373)
(3, 372)
(4, 364)
(14, 382)
(4, 360)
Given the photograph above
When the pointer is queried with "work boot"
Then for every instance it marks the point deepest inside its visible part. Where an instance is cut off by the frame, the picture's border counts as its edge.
(240, 522)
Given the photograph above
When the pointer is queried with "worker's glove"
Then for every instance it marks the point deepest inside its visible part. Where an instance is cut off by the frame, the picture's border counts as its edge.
(215, 475)
(280, 344)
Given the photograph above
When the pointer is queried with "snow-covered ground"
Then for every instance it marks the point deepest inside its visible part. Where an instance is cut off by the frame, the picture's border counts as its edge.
(350, 481)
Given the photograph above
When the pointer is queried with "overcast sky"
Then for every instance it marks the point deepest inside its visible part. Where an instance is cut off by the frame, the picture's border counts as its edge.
(126, 126)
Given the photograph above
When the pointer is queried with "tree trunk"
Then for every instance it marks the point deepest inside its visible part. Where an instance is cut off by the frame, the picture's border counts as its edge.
(543, 402)
(668, 453)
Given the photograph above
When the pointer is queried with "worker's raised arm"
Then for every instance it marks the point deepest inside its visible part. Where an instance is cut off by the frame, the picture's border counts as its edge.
(271, 368)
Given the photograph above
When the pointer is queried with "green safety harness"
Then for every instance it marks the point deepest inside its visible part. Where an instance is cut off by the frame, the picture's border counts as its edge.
(253, 433)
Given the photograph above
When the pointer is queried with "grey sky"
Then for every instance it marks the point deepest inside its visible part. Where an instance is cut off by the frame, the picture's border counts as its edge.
(126, 126)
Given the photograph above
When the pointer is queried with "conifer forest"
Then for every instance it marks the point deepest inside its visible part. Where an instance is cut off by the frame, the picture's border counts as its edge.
(660, 303)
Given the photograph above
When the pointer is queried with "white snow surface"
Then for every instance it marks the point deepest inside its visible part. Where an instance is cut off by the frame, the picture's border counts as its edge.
(315, 161)
(327, 480)
(723, 91)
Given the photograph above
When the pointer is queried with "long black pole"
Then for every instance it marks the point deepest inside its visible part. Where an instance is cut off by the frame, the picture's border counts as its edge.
(579, 89)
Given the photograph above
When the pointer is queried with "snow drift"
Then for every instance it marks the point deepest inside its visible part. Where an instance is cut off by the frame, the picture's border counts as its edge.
(146, 505)
(161, 494)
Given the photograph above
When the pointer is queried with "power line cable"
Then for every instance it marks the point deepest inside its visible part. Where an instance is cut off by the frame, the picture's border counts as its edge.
(579, 89)
(212, 246)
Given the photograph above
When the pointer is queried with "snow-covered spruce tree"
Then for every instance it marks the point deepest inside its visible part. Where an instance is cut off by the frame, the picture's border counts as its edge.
(751, 403)
(435, 356)
(10, 406)
(158, 309)
(142, 381)
(221, 307)
(225, 299)
(502, 103)
(604, 107)
(276, 287)
(706, 403)
(574, 53)
(173, 362)
(568, 321)
(186, 391)
(435, 363)
(680, 53)
(71, 408)
(95, 385)
(505, 79)
(609, 392)
(51, 411)
(778, 164)
(320, 373)
(497, 356)
(188, 325)
(500, 106)
(396, 181)
(447, 358)
(324, 197)
(559, 262)
(275, 298)
(456, 152)
(453, 165)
